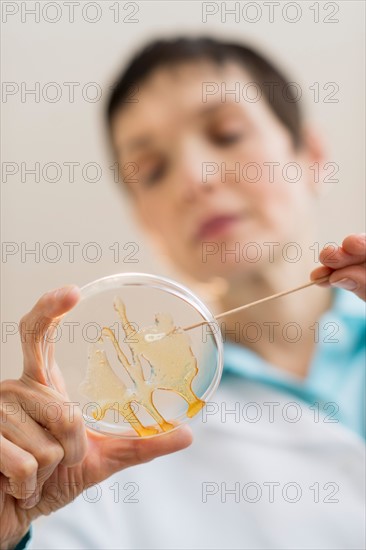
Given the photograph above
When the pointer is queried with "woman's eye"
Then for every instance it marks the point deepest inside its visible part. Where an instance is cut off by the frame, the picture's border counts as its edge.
(226, 139)
(155, 174)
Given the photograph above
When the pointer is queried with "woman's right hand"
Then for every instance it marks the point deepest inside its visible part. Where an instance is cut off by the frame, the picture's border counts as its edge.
(45, 464)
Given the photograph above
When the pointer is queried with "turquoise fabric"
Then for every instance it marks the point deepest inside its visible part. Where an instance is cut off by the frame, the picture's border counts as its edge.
(22, 544)
(336, 378)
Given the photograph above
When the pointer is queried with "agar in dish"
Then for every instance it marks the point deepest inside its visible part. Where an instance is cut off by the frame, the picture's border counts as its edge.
(173, 366)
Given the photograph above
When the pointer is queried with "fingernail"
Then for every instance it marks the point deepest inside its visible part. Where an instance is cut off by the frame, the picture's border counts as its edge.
(62, 292)
(347, 284)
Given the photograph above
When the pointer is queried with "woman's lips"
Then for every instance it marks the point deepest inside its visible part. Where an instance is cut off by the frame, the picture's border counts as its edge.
(216, 226)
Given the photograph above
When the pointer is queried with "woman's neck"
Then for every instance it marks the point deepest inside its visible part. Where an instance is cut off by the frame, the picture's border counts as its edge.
(283, 330)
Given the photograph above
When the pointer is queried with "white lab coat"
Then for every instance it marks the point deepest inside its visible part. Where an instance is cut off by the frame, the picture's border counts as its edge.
(294, 485)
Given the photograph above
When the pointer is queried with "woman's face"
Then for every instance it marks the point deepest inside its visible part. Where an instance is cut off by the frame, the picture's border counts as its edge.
(209, 173)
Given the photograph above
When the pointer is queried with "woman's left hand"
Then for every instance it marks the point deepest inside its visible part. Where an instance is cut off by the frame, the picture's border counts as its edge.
(345, 264)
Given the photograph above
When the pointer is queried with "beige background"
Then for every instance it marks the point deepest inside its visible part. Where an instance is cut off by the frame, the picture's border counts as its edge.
(62, 132)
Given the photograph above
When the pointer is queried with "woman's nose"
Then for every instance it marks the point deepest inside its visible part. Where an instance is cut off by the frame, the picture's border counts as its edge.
(197, 170)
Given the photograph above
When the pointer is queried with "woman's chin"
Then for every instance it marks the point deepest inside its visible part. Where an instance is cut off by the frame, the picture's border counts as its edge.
(228, 269)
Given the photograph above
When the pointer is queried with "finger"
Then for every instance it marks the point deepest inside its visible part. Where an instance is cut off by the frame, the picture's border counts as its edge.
(355, 244)
(63, 419)
(320, 272)
(109, 455)
(20, 469)
(33, 326)
(143, 450)
(25, 433)
(351, 278)
(338, 257)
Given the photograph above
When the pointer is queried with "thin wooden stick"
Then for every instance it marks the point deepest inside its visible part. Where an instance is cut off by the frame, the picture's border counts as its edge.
(261, 301)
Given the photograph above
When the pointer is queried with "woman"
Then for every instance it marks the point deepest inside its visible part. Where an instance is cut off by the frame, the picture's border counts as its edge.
(213, 186)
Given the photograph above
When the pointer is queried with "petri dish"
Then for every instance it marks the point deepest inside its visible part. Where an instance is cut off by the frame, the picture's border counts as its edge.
(128, 359)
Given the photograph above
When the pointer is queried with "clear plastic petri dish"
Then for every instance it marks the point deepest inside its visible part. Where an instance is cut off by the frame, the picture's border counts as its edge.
(128, 359)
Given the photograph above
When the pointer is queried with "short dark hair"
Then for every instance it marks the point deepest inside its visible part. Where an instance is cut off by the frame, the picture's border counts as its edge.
(273, 83)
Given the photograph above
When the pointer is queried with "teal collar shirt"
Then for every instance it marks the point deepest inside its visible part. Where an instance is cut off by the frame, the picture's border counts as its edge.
(335, 384)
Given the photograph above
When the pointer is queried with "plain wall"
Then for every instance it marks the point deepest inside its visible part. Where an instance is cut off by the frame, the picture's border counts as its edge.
(64, 131)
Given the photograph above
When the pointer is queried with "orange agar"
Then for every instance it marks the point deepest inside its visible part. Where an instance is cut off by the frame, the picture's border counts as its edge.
(173, 367)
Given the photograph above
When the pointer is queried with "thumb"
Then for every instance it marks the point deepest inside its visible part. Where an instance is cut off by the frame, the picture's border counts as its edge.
(111, 454)
(44, 316)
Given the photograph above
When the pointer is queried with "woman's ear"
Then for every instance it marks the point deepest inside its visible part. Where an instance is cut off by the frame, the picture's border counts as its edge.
(314, 158)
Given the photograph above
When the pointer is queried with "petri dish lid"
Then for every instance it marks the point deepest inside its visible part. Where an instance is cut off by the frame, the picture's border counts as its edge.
(127, 360)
